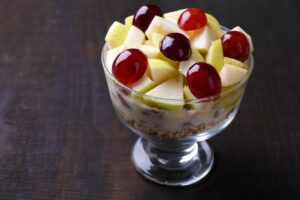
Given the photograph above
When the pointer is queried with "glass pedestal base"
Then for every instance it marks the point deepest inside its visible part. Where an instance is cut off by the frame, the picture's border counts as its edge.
(172, 164)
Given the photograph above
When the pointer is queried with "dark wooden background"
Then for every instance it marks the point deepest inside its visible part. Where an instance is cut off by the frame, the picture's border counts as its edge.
(60, 138)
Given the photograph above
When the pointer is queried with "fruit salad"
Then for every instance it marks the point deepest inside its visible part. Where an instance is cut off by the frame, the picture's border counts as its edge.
(175, 74)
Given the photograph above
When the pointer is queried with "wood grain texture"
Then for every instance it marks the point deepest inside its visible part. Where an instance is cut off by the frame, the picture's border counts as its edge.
(60, 138)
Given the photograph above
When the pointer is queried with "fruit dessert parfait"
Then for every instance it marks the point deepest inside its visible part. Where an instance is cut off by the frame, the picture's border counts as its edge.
(176, 74)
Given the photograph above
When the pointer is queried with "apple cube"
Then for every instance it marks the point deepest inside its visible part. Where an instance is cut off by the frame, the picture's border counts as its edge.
(201, 39)
(213, 23)
(116, 35)
(196, 56)
(185, 65)
(135, 37)
(174, 15)
(167, 96)
(215, 56)
(143, 85)
(149, 51)
(161, 70)
(111, 56)
(156, 39)
(231, 74)
(128, 21)
(147, 42)
(164, 27)
(172, 63)
(235, 62)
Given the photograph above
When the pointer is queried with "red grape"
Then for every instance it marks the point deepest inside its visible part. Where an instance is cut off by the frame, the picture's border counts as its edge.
(176, 46)
(192, 19)
(129, 66)
(235, 45)
(143, 17)
(203, 80)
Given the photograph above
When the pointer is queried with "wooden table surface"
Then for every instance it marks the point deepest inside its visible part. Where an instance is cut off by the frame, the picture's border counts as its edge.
(59, 135)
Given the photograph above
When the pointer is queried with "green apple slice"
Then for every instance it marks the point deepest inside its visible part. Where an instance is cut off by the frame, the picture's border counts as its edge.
(231, 74)
(128, 21)
(135, 37)
(164, 27)
(156, 38)
(247, 36)
(116, 35)
(174, 15)
(143, 85)
(196, 56)
(188, 94)
(235, 62)
(215, 56)
(148, 42)
(111, 56)
(202, 106)
(213, 23)
(167, 96)
(201, 39)
(173, 63)
(149, 50)
(185, 65)
(161, 70)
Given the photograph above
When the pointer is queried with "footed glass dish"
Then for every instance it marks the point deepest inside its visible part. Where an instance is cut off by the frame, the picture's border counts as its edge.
(172, 148)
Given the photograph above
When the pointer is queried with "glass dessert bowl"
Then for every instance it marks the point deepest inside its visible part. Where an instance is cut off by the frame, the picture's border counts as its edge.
(172, 148)
(158, 99)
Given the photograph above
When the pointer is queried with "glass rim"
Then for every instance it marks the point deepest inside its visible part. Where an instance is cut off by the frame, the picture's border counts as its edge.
(206, 99)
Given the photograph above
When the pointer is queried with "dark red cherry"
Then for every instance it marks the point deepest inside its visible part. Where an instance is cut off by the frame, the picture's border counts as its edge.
(143, 17)
(203, 80)
(176, 46)
(192, 19)
(235, 45)
(129, 66)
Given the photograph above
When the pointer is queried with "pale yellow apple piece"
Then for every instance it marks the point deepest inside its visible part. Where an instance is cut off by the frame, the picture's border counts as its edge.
(213, 23)
(231, 74)
(235, 62)
(148, 42)
(135, 37)
(156, 39)
(116, 35)
(184, 66)
(188, 94)
(128, 21)
(161, 70)
(173, 63)
(164, 27)
(167, 96)
(111, 56)
(149, 50)
(196, 56)
(174, 15)
(215, 56)
(143, 85)
(201, 39)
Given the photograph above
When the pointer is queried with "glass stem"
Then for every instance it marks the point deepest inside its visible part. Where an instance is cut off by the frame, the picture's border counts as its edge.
(171, 155)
